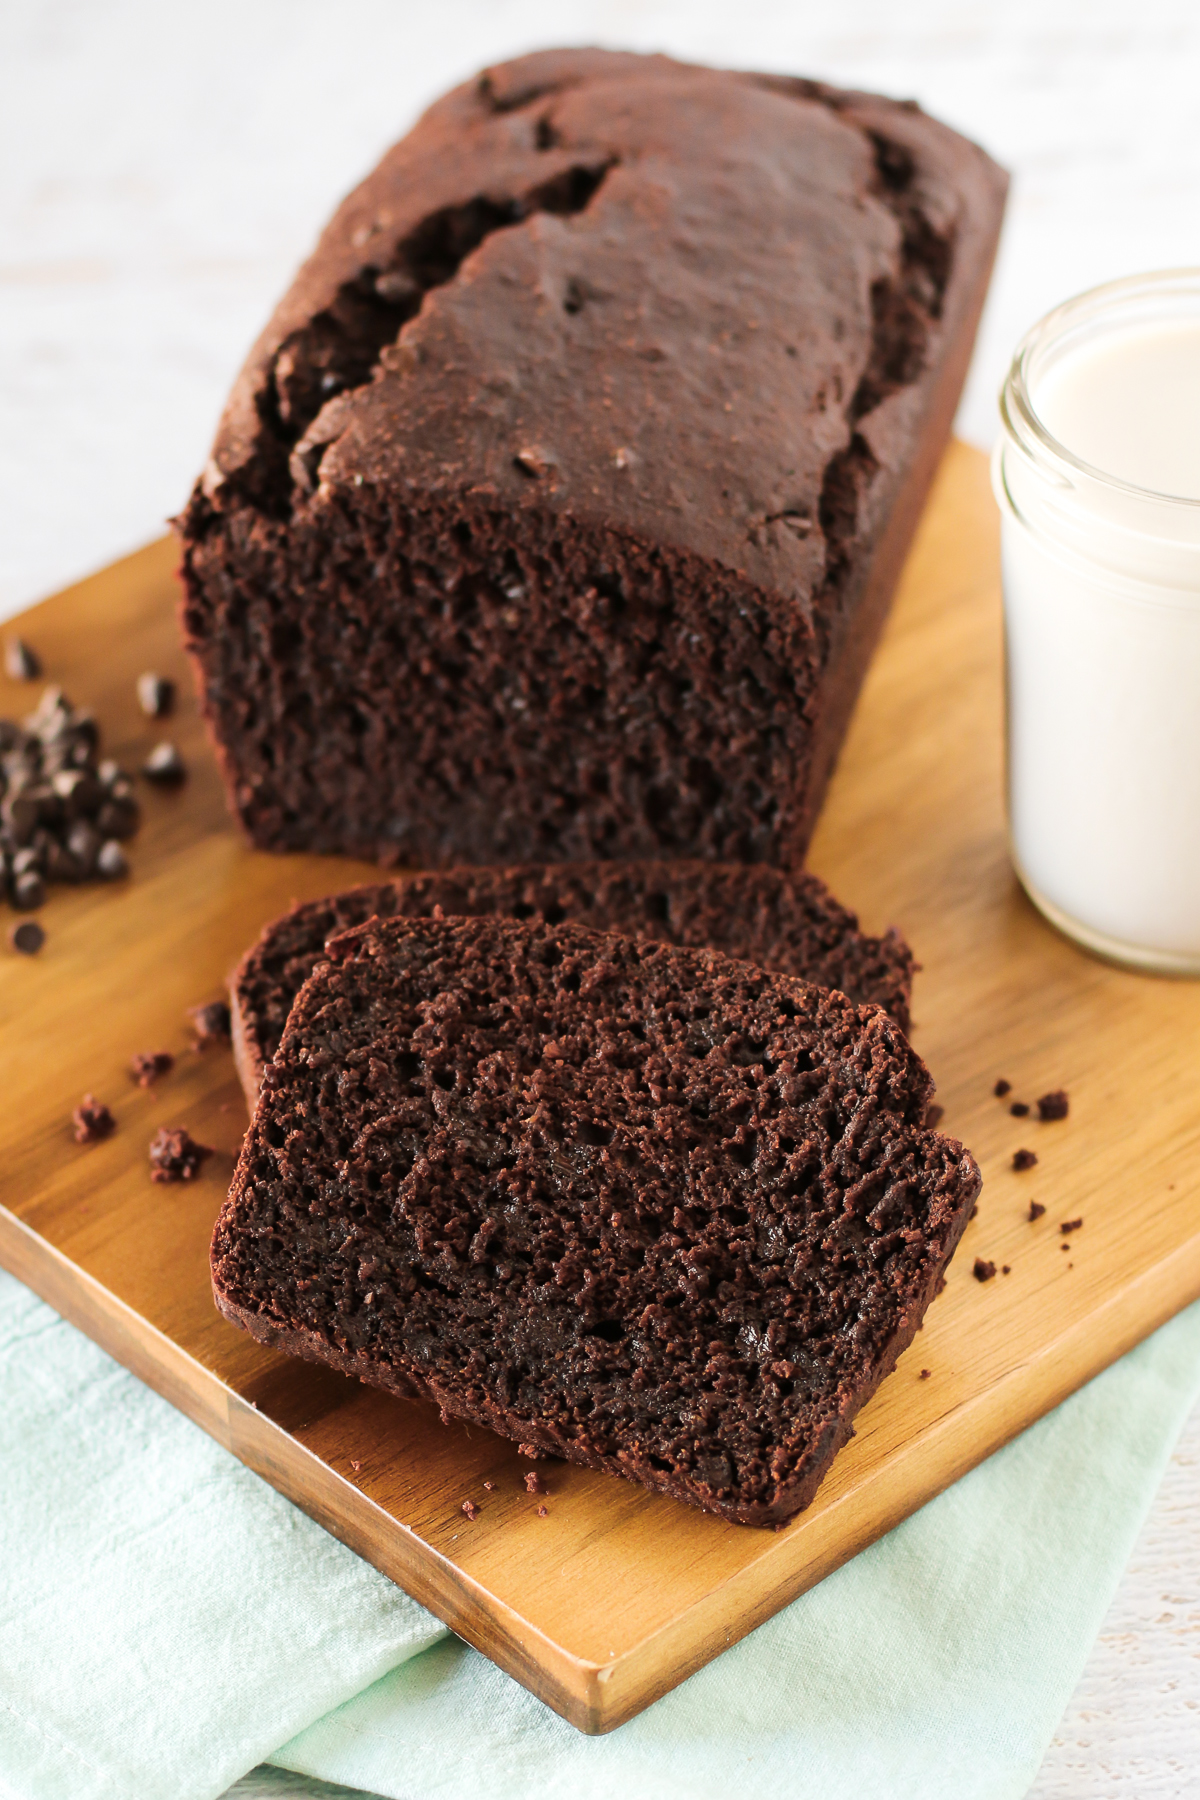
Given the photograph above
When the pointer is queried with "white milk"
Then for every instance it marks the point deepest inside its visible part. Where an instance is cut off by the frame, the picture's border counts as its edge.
(1128, 403)
(1098, 477)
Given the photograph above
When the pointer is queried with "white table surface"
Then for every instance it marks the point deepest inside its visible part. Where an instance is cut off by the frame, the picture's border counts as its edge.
(163, 167)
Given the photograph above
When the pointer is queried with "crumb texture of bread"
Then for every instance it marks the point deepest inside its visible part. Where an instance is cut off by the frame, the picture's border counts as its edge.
(789, 923)
(552, 515)
(639, 1206)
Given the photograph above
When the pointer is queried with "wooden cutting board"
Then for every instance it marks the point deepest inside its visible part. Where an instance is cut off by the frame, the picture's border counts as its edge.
(615, 1595)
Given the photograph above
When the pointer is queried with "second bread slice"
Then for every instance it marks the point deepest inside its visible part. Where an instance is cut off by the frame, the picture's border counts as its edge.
(790, 923)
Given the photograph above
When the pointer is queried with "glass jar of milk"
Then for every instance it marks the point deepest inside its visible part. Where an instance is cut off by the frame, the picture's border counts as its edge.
(1098, 478)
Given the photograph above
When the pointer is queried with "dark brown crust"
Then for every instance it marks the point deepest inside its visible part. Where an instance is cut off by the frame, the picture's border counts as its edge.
(671, 518)
(903, 1197)
(409, 1386)
(788, 923)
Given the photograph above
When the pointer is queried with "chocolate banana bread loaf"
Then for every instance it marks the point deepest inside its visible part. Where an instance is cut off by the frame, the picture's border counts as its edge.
(556, 511)
(791, 924)
(644, 1207)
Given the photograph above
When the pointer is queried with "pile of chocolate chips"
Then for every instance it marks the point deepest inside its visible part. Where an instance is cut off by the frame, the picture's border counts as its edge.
(63, 813)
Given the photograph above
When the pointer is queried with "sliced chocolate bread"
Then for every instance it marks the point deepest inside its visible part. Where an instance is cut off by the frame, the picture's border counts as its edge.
(644, 1207)
(790, 923)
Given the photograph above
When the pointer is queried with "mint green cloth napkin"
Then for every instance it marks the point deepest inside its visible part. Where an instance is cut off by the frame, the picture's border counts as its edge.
(166, 1620)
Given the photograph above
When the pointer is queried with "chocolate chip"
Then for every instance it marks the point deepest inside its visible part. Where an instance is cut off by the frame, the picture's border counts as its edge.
(84, 843)
(983, 1271)
(81, 793)
(148, 1065)
(21, 663)
(156, 695)
(1053, 1106)
(27, 937)
(531, 1451)
(1023, 1159)
(1001, 1088)
(175, 1155)
(1019, 1109)
(118, 817)
(164, 766)
(93, 1121)
(211, 1022)
(533, 461)
(28, 891)
(111, 861)
(397, 287)
(1035, 1211)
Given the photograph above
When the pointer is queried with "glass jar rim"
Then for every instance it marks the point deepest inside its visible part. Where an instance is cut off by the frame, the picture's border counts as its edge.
(1017, 411)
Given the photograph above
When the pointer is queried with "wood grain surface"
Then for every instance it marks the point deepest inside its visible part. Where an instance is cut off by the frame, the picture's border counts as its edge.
(615, 1595)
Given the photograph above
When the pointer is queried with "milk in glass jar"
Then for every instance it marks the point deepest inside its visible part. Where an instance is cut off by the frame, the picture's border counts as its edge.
(1098, 478)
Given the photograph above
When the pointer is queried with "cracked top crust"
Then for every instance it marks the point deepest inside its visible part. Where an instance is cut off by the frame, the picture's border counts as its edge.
(667, 298)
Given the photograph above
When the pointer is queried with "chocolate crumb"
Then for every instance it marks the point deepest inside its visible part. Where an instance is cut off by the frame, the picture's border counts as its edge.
(1023, 1159)
(1001, 1088)
(21, 663)
(533, 1483)
(356, 1466)
(934, 1115)
(27, 937)
(1036, 1209)
(488, 1486)
(531, 1451)
(1069, 1225)
(211, 1023)
(983, 1271)
(175, 1155)
(470, 1510)
(543, 1512)
(148, 1065)
(1064, 1248)
(1005, 1270)
(1053, 1106)
(156, 695)
(164, 766)
(1019, 1109)
(93, 1121)
(925, 1374)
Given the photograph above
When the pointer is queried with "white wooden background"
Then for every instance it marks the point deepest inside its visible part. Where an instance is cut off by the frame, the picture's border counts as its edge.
(163, 166)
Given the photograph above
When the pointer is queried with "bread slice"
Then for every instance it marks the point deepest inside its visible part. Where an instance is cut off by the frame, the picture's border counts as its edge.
(644, 1207)
(789, 923)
